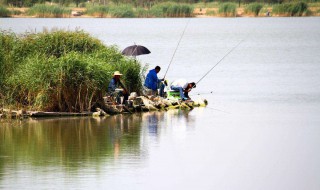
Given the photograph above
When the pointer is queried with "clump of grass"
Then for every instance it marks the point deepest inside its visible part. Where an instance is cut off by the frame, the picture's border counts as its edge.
(253, 8)
(227, 9)
(48, 11)
(291, 9)
(207, 4)
(60, 70)
(122, 11)
(98, 11)
(7, 45)
(4, 12)
(211, 12)
(170, 9)
(16, 12)
(142, 13)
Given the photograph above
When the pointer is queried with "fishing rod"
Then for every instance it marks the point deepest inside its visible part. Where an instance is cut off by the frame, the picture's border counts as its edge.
(176, 48)
(220, 60)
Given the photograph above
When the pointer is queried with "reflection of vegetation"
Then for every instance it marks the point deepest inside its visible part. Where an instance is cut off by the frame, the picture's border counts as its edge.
(69, 141)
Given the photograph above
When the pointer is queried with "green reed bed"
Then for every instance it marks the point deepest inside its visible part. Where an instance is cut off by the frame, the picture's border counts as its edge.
(227, 9)
(4, 12)
(291, 9)
(122, 11)
(142, 13)
(114, 11)
(253, 8)
(170, 9)
(60, 70)
(48, 11)
(207, 4)
(98, 11)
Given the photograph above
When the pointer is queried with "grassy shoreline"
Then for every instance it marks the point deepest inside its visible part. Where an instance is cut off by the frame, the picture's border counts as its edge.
(38, 73)
(165, 10)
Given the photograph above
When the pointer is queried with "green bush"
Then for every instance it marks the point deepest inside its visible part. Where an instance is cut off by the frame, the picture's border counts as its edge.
(122, 11)
(170, 9)
(7, 44)
(291, 9)
(48, 11)
(60, 70)
(142, 13)
(99, 11)
(227, 9)
(253, 8)
(4, 12)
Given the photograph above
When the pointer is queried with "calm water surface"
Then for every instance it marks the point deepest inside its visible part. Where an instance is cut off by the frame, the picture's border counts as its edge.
(261, 129)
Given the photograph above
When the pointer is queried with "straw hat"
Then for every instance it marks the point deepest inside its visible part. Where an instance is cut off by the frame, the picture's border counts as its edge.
(117, 73)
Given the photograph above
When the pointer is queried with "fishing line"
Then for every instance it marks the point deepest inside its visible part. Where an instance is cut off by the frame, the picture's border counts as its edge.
(176, 48)
(220, 60)
(198, 94)
(218, 110)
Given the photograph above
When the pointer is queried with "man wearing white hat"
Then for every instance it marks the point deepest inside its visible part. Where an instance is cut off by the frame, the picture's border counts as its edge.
(117, 89)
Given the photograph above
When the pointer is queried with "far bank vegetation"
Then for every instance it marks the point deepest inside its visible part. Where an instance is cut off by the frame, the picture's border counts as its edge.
(157, 9)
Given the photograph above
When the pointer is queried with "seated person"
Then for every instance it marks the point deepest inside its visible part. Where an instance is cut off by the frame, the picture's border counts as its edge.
(152, 83)
(116, 89)
(183, 87)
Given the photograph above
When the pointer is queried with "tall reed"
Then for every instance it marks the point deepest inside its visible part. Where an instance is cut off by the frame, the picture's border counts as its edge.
(7, 45)
(61, 70)
(253, 8)
(98, 11)
(4, 12)
(170, 9)
(48, 11)
(122, 11)
(227, 9)
(142, 13)
(291, 9)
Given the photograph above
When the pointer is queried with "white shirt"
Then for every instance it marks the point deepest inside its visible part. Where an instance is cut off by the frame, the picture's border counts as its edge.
(180, 83)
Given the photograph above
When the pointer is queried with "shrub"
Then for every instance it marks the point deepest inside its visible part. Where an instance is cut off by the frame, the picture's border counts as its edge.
(61, 70)
(254, 8)
(227, 9)
(4, 12)
(122, 11)
(291, 9)
(48, 11)
(171, 10)
(99, 11)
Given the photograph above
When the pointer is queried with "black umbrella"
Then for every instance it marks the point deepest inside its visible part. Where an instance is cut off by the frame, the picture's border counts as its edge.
(135, 50)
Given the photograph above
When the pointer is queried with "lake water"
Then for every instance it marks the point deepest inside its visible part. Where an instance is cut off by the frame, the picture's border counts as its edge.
(261, 129)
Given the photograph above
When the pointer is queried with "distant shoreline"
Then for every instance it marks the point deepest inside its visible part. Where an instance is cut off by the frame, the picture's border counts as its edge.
(197, 13)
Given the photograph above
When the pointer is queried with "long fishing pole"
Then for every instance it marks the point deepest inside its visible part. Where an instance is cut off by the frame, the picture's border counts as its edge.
(176, 48)
(220, 60)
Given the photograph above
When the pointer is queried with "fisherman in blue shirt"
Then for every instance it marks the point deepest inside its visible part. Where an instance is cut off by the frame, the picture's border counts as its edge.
(152, 83)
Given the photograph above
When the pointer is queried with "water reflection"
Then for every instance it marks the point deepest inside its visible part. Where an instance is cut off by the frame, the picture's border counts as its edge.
(154, 121)
(66, 142)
